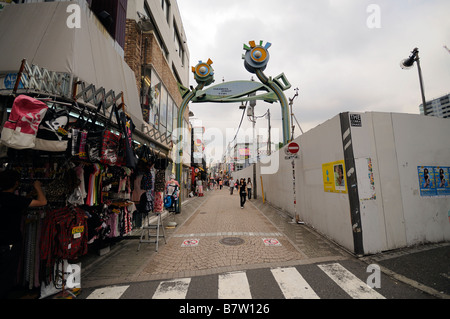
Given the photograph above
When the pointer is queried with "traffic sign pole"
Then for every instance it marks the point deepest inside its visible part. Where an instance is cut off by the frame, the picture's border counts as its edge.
(292, 150)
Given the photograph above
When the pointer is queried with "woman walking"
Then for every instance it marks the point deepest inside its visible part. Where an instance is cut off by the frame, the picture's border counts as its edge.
(249, 188)
(242, 192)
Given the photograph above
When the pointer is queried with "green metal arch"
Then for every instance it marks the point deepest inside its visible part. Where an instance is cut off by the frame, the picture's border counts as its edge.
(256, 59)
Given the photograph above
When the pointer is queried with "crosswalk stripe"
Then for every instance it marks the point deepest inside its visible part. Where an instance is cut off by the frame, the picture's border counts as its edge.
(356, 288)
(234, 286)
(108, 292)
(292, 284)
(173, 289)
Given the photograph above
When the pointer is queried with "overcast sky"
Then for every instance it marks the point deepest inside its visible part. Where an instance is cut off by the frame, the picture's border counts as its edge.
(340, 54)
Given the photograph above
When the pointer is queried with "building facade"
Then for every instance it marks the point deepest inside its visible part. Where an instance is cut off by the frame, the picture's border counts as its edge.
(148, 58)
(156, 50)
(439, 107)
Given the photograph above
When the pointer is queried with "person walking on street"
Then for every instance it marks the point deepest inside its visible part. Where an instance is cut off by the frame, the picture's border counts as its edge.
(12, 208)
(249, 188)
(242, 192)
(231, 184)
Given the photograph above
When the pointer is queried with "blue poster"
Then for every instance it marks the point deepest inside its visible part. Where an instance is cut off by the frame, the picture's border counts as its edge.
(10, 81)
(442, 177)
(427, 181)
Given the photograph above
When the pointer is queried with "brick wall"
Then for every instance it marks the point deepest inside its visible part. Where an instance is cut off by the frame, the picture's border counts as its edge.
(134, 56)
(132, 49)
(156, 58)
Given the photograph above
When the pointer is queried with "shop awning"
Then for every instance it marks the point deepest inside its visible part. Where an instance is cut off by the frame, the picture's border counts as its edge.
(39, 33)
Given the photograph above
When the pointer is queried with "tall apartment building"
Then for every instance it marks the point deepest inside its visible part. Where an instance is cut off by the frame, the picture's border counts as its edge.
(439, 107)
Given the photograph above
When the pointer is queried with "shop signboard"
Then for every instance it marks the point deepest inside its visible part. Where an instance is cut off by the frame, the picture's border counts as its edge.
(8, 81)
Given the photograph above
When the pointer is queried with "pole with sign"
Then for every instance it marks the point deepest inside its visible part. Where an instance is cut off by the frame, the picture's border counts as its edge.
(292, 153)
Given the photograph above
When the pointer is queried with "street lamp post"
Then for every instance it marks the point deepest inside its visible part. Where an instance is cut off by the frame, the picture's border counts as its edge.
(408, 64)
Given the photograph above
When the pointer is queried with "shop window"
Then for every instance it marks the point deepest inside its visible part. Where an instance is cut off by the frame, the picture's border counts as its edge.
(146, 97)
(170, 117)
(155, 99)
(163, 110)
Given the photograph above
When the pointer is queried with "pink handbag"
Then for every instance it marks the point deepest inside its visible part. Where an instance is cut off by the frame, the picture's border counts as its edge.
(19, 132)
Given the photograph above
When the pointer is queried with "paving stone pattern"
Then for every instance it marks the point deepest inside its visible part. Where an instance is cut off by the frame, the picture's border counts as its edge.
(210, 219)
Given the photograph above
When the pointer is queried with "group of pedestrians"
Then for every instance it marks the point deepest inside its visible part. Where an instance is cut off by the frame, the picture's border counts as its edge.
(243, 187)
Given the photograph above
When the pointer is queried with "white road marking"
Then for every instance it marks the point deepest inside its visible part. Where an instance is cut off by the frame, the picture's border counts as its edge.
(352, 285)
(292, 284)
(173, 289)
(234, 286)
(114, 292)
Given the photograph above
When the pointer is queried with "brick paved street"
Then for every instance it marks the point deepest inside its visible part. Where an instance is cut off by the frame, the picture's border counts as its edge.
(204, 222)
(221, 217)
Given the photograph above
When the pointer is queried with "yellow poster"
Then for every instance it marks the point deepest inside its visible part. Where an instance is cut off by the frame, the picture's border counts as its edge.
(334, 180)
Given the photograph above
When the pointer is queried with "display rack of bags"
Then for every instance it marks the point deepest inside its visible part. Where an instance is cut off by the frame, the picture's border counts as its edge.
(88, 172)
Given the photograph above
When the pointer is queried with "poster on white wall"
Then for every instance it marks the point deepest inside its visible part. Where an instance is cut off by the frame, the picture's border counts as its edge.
(442, 177)
(434, 180)
(427, 181)
(366, 182)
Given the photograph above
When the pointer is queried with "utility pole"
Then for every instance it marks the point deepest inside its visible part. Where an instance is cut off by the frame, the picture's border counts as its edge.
(255, 150)
(407, 64)
(291, 102)
(255, 159)
(269, 144)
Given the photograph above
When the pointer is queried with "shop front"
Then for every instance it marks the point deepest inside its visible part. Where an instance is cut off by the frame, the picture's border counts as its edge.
(100, 184)
(70, 119)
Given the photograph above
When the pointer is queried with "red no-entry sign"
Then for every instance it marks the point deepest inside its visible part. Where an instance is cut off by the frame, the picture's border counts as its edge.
(293, 148)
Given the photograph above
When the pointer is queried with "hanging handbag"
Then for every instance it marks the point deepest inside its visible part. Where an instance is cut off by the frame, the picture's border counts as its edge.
(82, 154)
(110, 148)
(128, 128)
(93, 146)
(113, 145)
(94, 138)
(75, 128)
(168, 201)
(52, 135)
(19, 132)
(104, 146)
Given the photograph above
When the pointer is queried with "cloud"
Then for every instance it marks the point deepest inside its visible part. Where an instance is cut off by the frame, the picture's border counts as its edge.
(326, 49)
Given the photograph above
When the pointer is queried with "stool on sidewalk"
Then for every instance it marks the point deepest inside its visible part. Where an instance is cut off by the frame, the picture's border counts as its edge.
(147, 229)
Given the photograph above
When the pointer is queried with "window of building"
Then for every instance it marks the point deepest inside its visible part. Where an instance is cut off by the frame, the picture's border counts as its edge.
(178, 44)
(163, 110)
(146, 96)
(158, 107)
(175, 73)
(156, 31)
(170, 116)
(156, 84)
(166, 9)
